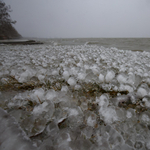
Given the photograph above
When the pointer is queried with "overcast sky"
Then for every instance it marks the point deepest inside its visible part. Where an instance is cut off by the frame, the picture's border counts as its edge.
(81, 18)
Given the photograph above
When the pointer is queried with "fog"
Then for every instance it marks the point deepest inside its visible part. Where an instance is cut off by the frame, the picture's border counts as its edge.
(81, 18)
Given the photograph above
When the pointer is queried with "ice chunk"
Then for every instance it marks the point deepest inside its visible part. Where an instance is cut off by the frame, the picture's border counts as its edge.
(103, 100)
(41, 77)
(39, 109)
(141, 92)
(4, 80)
(122, 78)
(145, 117)
(77, 87)
(146, 100)
(128, 88)
(71, 81)
(64, 89)
(147, 144)
(25, 75)
(73, 112)
(52, 129)
(131, 78)
(38, 95)
(115, 138)
(109, 76)
(87, 131)
(11, 135)
(47, 144)
(101, 78)
(51, 94)
(66, 75)
(90, 118)
(109, 114)
(129, 114)
(81, 76)
(55, 72)
(121, 100)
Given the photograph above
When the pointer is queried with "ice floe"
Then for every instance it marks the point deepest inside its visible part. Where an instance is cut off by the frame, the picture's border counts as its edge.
(74, 97)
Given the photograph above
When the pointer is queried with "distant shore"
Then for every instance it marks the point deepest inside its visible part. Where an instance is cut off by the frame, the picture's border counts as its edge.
(20, 42)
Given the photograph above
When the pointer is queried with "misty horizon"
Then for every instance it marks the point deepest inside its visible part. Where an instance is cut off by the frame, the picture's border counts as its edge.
(81, 19)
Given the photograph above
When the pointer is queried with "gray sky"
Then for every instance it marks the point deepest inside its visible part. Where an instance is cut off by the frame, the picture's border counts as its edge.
(81, 18)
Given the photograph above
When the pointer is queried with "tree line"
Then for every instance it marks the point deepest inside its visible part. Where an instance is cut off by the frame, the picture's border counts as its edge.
(4, 14)
(7, 31)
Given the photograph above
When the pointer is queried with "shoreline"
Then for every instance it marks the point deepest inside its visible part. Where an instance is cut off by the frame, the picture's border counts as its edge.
(20, 42)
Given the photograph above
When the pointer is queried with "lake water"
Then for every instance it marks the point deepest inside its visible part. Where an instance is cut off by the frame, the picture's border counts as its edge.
(120, 43)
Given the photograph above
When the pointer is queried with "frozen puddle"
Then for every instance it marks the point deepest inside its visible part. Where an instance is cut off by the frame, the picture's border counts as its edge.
(74, 97)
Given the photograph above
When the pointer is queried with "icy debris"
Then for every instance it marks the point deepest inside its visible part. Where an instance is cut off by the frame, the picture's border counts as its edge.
(4, 80)
(66, 75)
(141, 92)
(121, 100)
(122, 78)
(51, 94)
(109, 76)
(108, 114)
(39, 109)
(91, 118)
(52, 129)
(12, 136)
(103, 101)
(81, 76)
(101, 78)
(64, 89)
(146, 100)
(145, 117)
(79, 114)
(41, 77)
(129, 114)
(71, 81)
(38, 95)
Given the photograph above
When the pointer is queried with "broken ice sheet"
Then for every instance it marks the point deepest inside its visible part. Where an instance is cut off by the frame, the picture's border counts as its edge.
(84, 74)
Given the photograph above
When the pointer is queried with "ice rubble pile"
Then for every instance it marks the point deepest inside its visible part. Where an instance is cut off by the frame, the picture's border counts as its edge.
(74, 108)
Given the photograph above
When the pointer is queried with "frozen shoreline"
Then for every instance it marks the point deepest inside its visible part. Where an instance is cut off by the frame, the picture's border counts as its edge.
(74, 96)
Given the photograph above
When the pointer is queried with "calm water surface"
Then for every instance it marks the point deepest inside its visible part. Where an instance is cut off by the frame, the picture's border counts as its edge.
(137, 44)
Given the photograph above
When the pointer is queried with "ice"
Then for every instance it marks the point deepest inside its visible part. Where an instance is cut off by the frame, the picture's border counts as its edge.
(129, 114)
(109, 76)
(103, 101)
(141, 92)
(109, 115)
(51, 94)
(90, 118)
(39, 109)
(41, 77)
(146, 101)
(76, 96)
(147, 145)
(66, 75)
(145, 118)
(115, 139)
(101, 78)
(120, 100)
(11, 135)
(64, 89)
(52, 129)
(71, 81)
(122, 78)
(81, 76)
